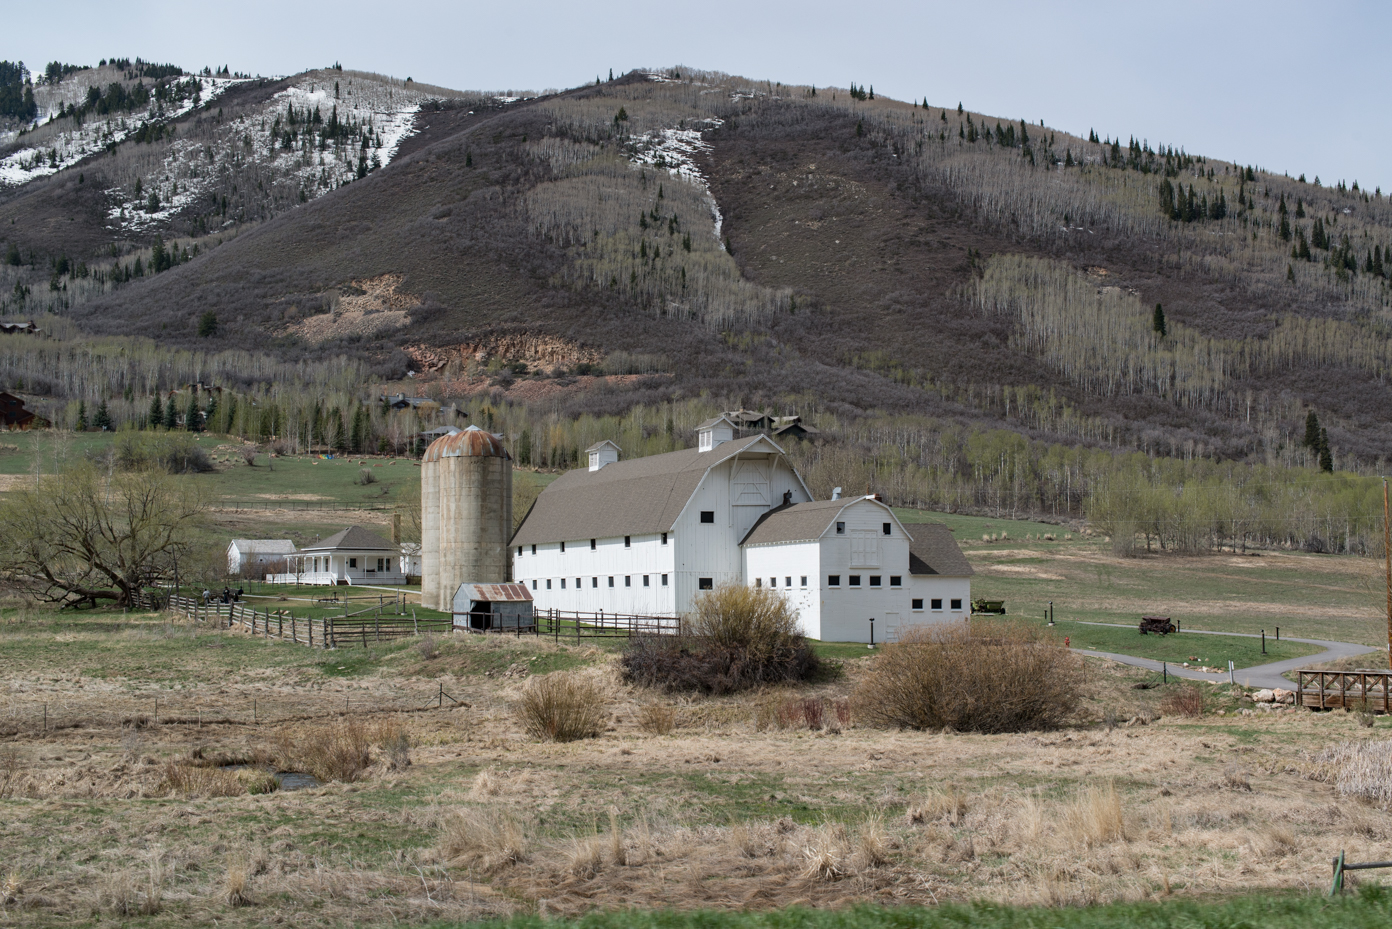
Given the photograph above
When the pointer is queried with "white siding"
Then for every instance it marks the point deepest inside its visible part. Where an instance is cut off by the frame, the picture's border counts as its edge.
(644, 556)
(783, 567)
(930, 587)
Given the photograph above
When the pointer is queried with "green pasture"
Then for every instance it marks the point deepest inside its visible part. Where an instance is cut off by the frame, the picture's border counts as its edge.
(1214, 651)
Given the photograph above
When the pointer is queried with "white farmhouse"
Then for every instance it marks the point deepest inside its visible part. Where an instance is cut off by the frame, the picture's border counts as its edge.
(646, 536)
(250, 557)
(353, 556)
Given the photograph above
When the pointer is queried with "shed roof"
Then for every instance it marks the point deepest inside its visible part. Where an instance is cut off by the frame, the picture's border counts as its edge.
(933, 550)
(799, 522)
(352, 539)
(494, 593)
(640, 495)
(264, 546)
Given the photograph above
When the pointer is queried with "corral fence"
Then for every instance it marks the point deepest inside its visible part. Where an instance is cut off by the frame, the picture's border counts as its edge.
(573, 625)
(363, 627)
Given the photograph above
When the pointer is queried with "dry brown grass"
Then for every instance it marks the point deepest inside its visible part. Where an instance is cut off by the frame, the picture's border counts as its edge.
(203, 782)
(972, 677)
(563, 706)
(947, 805)
(657, 719)
(482, 838)
(1095, 817)
(235, 883)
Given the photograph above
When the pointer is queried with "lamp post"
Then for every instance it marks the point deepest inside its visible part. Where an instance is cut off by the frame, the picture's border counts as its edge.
(872, 632)
(1051, 612)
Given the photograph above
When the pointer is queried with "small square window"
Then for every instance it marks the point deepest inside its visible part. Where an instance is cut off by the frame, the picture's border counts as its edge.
(854, 580)
(705, 583)
(534, 584)
(628, 541)
(664, 580)
(611, 582)
(773, 582)
(594, 582)
(886, 528)
(533, 549)
(628, 581)
(937, 603)
(664, 538)
(896, 581)
(804, 580)
(840, 528)
(578, 585)
(788, 581)
(956, 604)
(874, 580)
(758, 582)
(593, 544)
(917, 604)
(352, 562)
(833, 580)
(708, 516)
(548, 583)
(645, 580)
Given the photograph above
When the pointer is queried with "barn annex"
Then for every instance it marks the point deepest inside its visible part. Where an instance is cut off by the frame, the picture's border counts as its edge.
(646, 536)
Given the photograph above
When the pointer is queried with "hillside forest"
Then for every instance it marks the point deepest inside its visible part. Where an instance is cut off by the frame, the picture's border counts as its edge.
(978, 313)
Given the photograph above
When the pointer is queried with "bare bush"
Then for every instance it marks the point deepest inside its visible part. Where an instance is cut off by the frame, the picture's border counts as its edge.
(657, 719)
(1185, 700)
(563, 707)
(335, 752)
(365, 477)
(428, 648)
(972, 677)
(740, 637)
(801, 713)
(249, 453)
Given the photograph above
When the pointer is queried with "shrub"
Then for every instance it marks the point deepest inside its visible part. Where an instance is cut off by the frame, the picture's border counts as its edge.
(365, 477)
(428, 648)
(1186, 700)
(563, 707)
(804, 713)
(740, 637)
(657, 719)
(337, 752)
(982, 676)
(174, 453)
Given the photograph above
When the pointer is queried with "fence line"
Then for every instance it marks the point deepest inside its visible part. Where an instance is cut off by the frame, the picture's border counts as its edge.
(316, 632)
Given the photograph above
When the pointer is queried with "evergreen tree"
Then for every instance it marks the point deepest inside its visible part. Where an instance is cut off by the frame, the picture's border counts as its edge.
(1326, 458)
(211, 412)
(102, 419)
(1158, 321)
(524, 447)
(171, 415)
(81, 416)
(1290, 273)
(1312, 431)
(191, 418)
(359, 434)
(1284, 228)
(156, 414)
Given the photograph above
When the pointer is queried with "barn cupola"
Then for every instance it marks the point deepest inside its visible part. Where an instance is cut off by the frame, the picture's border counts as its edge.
(603, 453)
(712, 432)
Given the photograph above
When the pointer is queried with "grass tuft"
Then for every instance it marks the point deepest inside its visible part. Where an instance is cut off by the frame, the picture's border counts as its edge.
(563, 707)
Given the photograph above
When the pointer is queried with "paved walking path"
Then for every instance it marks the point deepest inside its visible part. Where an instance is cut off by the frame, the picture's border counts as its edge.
(1262, 675)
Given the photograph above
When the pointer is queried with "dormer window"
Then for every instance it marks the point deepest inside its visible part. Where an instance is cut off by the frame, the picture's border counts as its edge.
(714, 432)
(603, 453)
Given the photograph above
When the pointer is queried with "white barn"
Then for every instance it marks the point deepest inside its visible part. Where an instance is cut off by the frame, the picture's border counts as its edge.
(646, 536)
(250, 557)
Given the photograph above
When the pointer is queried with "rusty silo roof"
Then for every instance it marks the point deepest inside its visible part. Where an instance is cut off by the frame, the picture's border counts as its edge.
(471, 443)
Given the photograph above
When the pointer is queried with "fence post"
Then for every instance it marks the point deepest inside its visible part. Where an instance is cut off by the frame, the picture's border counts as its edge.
(311, 632)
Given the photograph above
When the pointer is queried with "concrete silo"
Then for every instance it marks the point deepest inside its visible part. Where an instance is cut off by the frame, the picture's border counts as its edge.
(466, 515)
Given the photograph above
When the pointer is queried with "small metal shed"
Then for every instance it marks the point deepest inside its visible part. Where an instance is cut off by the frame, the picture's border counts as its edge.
(481, 607)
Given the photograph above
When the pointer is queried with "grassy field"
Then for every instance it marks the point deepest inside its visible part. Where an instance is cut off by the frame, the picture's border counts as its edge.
(1177, 648)
(727, 810)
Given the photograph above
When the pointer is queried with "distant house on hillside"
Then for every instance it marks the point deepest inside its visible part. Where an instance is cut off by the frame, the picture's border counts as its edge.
(791, 427)
(353, 556)
(14, 416)
(24, 328)
(251, 557)
(401, 401)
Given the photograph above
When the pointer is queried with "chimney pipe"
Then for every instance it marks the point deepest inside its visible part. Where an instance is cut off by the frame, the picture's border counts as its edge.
(836, 493)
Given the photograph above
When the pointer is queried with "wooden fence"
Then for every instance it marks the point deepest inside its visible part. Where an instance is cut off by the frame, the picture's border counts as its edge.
(567, 624)
(1323, 690)
(317, 632)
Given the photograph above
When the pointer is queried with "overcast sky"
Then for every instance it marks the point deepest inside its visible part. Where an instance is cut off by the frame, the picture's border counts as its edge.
(1286, 86)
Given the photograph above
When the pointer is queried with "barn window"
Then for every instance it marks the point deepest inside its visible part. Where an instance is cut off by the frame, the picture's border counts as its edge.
(833, 580)
(628, 581)
(645, 580)
(874, 580)
(611, 582)
(705, 583)
(708, 516)
(548, 583)
(628, 541)
(592, 544)
(533, 583)
(562, 583)
(519, 551)
(804, 580)
(594, 582)
(577, 583)
(664, 538)
(840, 528)
(937, 603)
(956, 604)
(917, 604)
(664, 580)
(562, 548)
(773, 582)
(533, 549)
(758, 582)
(788, 582)
(896, 581)
(854, 580)
(886, 528)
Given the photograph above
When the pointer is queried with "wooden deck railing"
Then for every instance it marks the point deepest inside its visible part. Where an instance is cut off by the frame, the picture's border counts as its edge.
(1324, 690)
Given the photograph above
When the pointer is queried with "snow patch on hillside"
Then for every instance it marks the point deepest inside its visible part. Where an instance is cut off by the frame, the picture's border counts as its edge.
(70, 145)
(675, 151)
